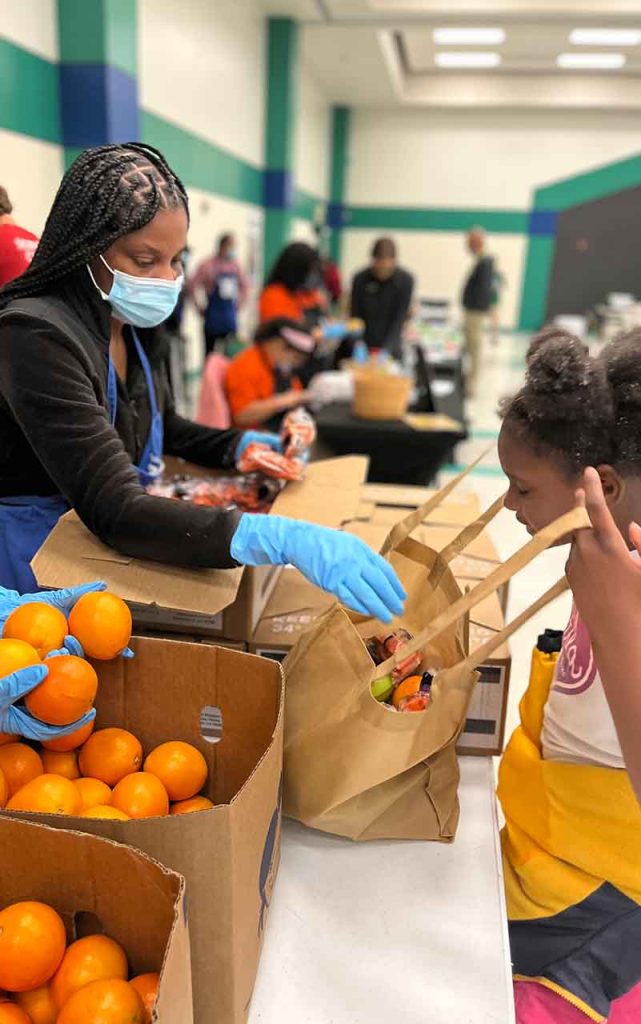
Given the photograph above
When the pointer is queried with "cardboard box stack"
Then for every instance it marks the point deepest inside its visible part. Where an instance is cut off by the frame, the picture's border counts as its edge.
(142, 906)
(229, 855)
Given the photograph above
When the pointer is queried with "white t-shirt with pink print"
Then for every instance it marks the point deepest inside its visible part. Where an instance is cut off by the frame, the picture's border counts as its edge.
(578, 727)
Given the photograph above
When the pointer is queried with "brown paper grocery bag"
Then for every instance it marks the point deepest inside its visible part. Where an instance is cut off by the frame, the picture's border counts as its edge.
(357, 769)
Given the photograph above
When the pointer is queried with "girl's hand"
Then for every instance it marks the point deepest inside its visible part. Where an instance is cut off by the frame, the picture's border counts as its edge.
(605, 579)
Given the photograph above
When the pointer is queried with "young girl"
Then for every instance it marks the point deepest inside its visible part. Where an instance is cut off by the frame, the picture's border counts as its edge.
(572, 841)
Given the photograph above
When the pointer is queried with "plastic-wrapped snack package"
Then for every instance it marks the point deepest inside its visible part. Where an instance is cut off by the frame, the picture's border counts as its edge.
(298, 434)
(251, 493)
(258, 458)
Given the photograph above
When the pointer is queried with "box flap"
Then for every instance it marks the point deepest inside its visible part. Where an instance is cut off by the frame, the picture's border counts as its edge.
(293, 607)
(329, 495)
(72, 555)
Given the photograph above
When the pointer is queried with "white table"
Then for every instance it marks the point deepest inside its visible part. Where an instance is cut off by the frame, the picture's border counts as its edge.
(391, 932)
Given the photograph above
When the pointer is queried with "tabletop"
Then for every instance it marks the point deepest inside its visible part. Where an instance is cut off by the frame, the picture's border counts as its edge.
(391, 932)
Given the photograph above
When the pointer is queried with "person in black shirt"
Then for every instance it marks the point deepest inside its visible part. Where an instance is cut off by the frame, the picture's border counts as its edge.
(381, 297)
(477, 299)
(86, 412)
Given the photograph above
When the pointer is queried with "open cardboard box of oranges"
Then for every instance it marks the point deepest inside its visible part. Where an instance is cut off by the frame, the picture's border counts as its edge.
(79, 916)
(180, 727)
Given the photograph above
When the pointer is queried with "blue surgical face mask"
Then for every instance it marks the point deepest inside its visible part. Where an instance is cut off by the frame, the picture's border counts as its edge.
(231, 256)
(140, 301)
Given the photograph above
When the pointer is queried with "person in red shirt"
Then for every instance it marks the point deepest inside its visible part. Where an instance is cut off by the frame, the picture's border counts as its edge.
(262, 382)
(17, 245)
(293, 289)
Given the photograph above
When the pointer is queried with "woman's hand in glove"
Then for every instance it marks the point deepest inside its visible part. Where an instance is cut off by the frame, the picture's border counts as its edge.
(16, 720)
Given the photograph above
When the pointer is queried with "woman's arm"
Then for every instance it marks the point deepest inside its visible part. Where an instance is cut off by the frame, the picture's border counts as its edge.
(263, 409)
(606, 584)
(50, 392)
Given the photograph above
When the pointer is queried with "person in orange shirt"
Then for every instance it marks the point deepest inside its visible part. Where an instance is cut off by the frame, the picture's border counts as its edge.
(293, 289)
(262, 383)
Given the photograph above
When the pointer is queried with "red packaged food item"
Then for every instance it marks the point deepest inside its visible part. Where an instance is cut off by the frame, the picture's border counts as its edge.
(298, 433)
(259, 458)
(247, 493)
(416, 702)
(393, 644)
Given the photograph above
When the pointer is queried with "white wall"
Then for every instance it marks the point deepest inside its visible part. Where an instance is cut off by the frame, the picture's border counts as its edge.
(481, 160)
(31, 24)
(30, 169)
(312, 141)
(204, 69)
(202, 65)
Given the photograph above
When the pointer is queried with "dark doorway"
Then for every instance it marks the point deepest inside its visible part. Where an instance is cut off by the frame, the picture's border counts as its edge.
(598, 251)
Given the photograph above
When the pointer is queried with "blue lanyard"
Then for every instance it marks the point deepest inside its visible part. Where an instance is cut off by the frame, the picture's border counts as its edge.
(151, 464)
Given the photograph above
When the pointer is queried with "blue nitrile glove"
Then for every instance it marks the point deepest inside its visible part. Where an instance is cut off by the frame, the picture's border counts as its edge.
(272, 441)
(334, 331)
(19, 722)
(337, 562)
(63, 600)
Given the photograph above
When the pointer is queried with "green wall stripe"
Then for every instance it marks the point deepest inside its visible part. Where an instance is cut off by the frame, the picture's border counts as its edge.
(400, 218)
(29, 94)
(340, 152)
(583, 188)
(307, 206)
(281, 91)
(536, 278)
(99, 32)
(201, 164)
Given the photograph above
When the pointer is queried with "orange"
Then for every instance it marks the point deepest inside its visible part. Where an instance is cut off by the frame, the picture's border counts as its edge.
(104, 1002)
(38, 624)
(12, 1014)
(72, 740)
(61, 764)
(95, 958)
(66, 694)
(47, 794)
(181, 768)
(7, 737)
(20, 765)
(105, 812)
(141, 795)
(93, 792)
(32, 945)
(110, 754)
(146, 985)
(197, 803)
(16, 654)
(407, 688)
(4, 789)
(102, 623)
(38, 1005)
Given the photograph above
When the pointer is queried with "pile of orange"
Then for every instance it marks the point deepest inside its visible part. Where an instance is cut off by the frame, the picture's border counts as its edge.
(105, 776)
(101, 774)
(46, 981)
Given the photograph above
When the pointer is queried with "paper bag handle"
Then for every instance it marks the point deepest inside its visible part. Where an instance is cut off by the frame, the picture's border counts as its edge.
(576, 519)
(486, 650)
(402, 530)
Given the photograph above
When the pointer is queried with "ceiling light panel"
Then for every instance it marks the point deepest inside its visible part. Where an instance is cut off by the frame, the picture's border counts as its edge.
(469, 59)
(605, 37)
(591, 61)
(469, 36)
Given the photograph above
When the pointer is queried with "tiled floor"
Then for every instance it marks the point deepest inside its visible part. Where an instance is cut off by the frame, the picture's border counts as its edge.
(501, 375)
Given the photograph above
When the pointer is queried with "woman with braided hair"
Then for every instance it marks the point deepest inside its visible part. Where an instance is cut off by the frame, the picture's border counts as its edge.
(86, 413)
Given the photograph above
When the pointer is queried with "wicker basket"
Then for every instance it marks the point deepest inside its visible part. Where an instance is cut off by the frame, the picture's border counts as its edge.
(380, 396)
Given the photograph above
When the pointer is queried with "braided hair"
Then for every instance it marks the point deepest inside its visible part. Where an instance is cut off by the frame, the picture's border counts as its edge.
(108, 192)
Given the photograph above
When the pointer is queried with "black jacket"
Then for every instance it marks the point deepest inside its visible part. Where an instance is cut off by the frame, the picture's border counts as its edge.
(384, 306)
(56, 436)
(477, 294)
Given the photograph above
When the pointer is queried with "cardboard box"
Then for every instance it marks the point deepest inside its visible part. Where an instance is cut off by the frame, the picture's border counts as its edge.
(229, 855)
(202, 602)
(484, 732)
(97, 886)
(386, 504)
(293, 608)
(296, 604)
